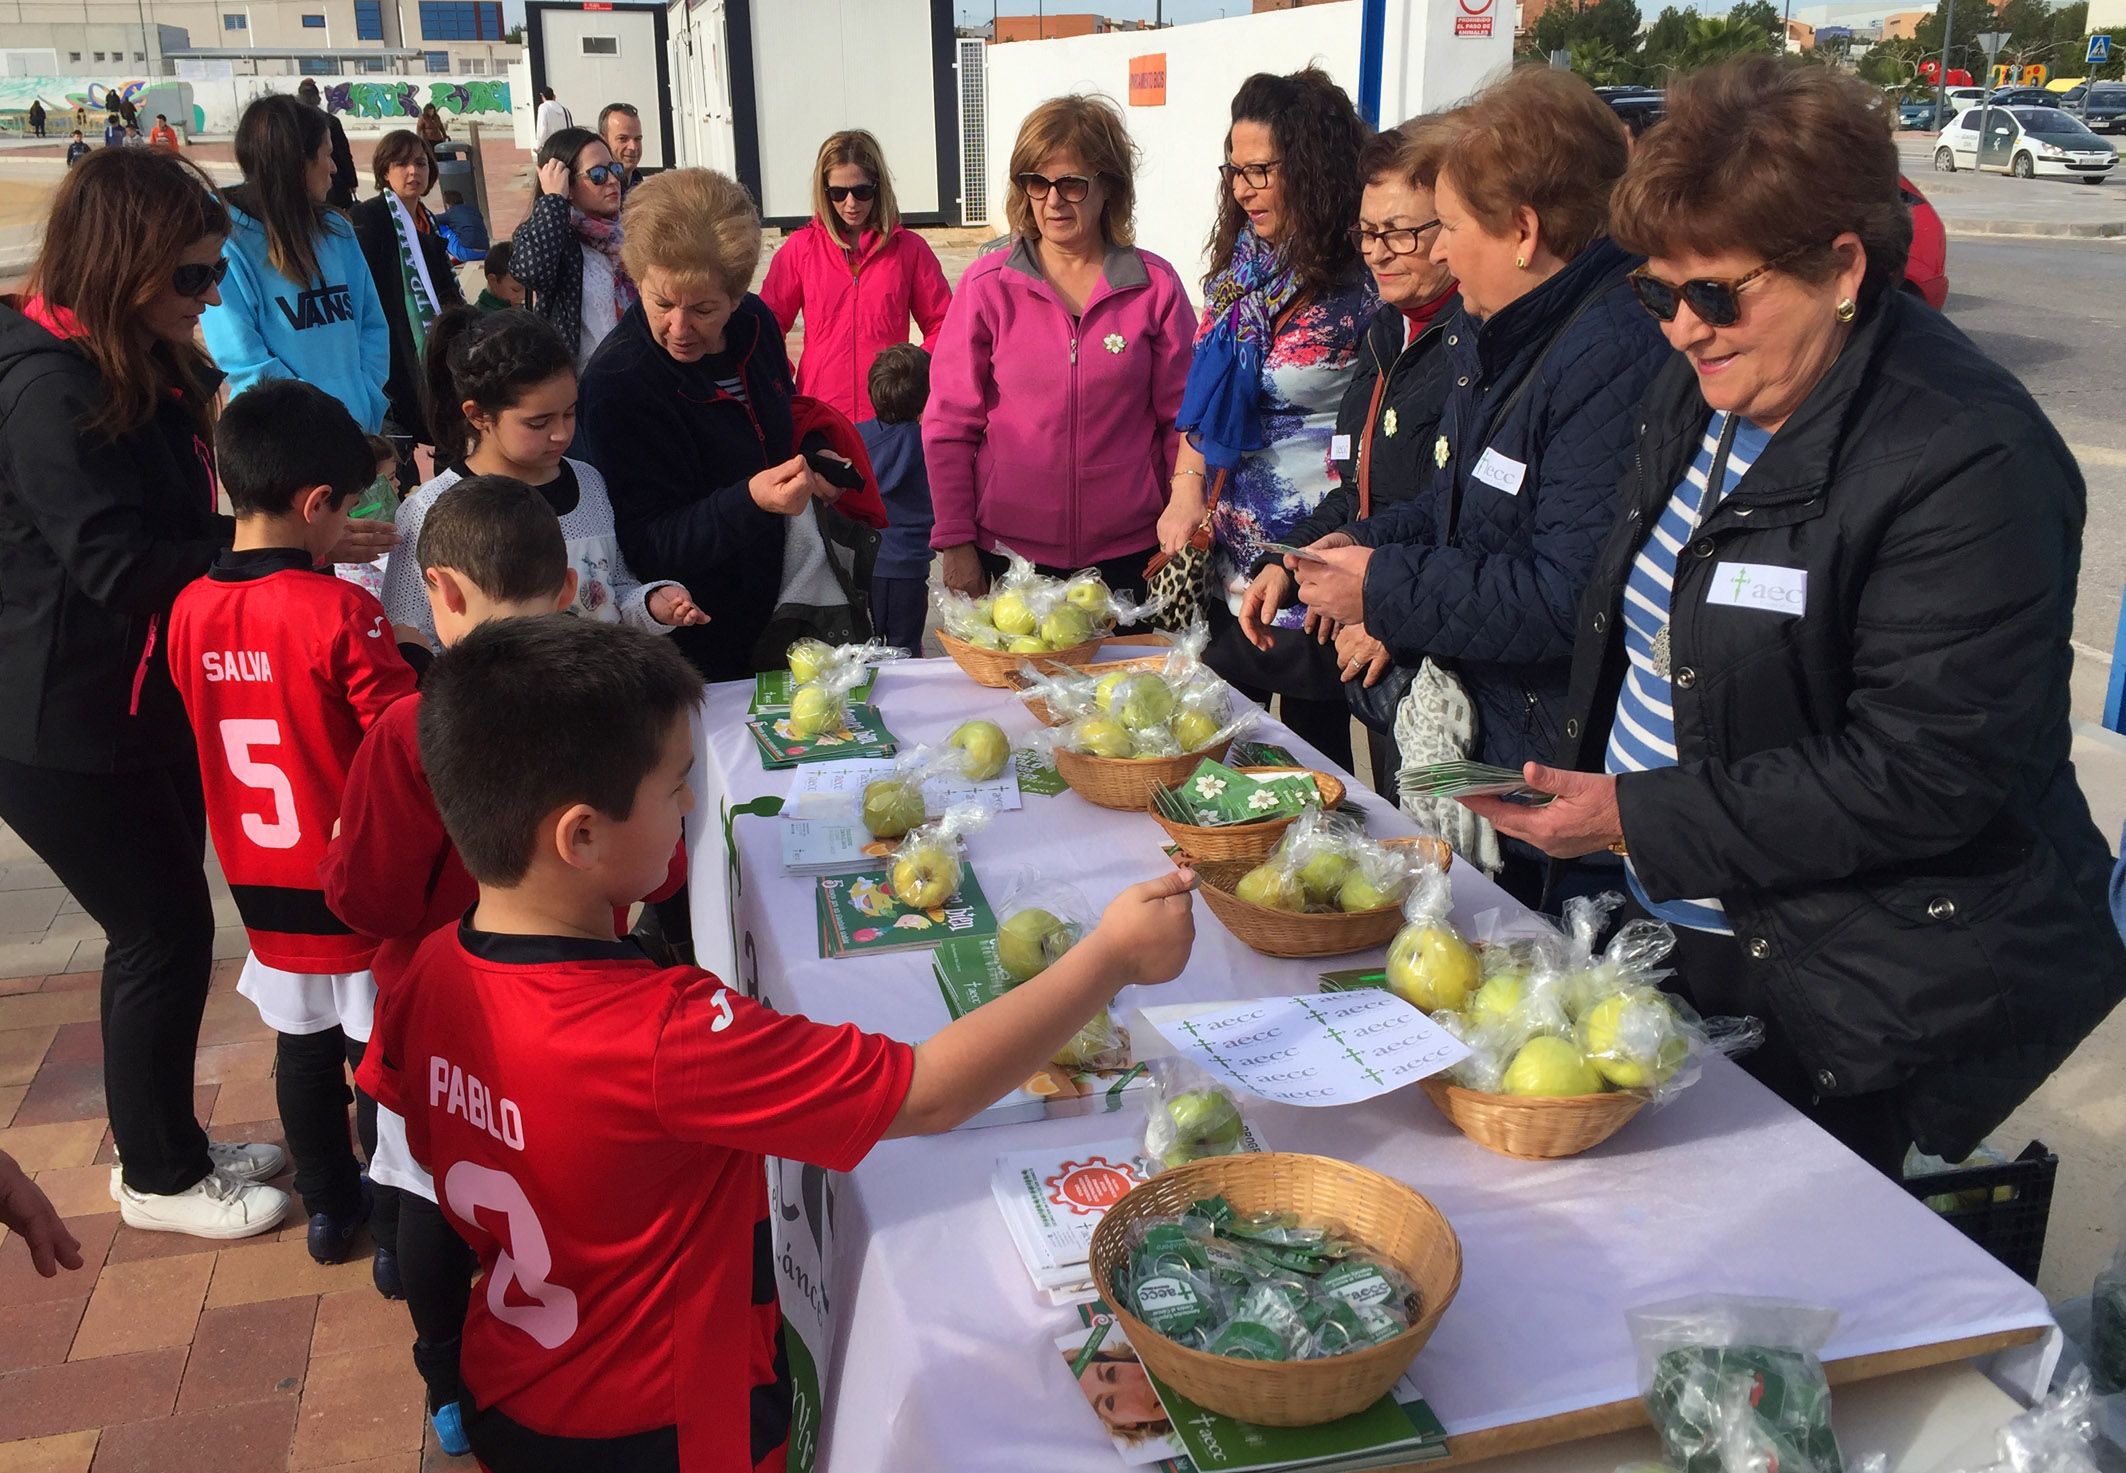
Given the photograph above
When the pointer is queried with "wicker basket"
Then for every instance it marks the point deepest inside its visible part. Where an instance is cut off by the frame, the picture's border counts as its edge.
(1533, 1128)
(1041, 710)
(1303, 933)
(1249, 841)
(994, 668)
(1127, 782)
(1387, 1218)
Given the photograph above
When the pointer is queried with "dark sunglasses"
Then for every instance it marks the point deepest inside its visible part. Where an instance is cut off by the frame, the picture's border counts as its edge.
(193, 280)
(1401, 241)
(605, 174)
(1073, 187)
(863, 194)
(1717, 303)
(1257, 175)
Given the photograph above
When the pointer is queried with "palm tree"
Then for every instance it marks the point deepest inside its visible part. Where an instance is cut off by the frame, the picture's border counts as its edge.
(1597, 62)
(1714, 39)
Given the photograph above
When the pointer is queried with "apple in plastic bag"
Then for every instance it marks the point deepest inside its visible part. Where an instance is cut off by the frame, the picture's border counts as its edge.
(1066, 628)
(1358, 892)
(1431, 968)
(1029, 942)
(807, 658)
(986, 746)
(1010, 614)
(1323, 875)
(813, 711)
(1206, 1120)
(1548, 1067)
(1271, 888)
(1194, 730)
(1103, 738)
(893, 806)
(925, 877)
(1104, 690)
(1143, 701)
(1089, 596)
(1632, 1039)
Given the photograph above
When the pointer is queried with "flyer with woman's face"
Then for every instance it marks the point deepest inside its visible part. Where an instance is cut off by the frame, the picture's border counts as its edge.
(1116, 1386)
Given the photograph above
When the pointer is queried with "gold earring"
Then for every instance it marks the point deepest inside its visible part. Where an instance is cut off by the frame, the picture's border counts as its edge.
(1520, 263)
(1847, 311)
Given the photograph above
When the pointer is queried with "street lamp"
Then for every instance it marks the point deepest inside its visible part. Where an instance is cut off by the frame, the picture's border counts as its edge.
(1941, 69)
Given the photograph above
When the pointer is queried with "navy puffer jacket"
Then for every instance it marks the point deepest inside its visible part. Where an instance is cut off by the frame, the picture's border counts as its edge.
(1485, 574)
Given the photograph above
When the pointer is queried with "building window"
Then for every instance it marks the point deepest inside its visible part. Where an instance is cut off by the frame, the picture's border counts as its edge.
(316, 66)
(461, 20)
(236, 22)
(601, 45)
(438, 62)
(73, 56)
(368, 20)
(313, 23)
(369, 64)
(140, 56)
(475, 68)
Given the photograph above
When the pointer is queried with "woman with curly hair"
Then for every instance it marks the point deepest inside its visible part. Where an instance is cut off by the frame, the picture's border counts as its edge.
(1285, 312)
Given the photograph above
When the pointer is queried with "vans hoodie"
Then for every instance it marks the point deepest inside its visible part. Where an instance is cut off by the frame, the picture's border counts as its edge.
(330, 332)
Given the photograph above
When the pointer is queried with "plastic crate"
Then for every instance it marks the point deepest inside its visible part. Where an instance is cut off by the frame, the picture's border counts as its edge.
(2003, 1209)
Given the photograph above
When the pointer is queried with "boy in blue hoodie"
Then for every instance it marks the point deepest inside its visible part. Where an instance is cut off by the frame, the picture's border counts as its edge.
(900, 387)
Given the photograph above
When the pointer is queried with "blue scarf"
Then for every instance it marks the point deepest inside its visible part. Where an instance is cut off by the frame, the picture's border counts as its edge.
(1218, 408)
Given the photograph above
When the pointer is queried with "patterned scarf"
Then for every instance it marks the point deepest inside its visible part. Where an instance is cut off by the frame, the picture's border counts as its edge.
(422, 303)
(1243, 302)
(601, 233)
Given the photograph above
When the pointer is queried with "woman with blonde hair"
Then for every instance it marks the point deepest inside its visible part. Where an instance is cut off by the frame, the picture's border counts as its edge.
(855, 275)
(1050, 428)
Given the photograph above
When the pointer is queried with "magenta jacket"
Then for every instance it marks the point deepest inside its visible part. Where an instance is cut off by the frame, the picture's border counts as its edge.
(1054, 435)
(853, 308)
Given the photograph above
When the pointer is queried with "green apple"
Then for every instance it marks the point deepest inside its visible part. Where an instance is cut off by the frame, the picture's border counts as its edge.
(925, 877)
(813, 711)
(1091, 1042)
(1028, 644)
(1550, 1067)
(1195, 730)
(1271, 888)
(1029, 942)
(1066, 628)
(807, 658)
(1104, 690)
(1010, 614)
(1323, 875)
(982, 611)
(1104, 738)
(986, 746)
(1089, 596)
(1357, 892)
(892, 806)
(1632, 1040)
(1143, 701)
(1430, 968)
(1496, 1000)
(1205, 1117)
(984, 637)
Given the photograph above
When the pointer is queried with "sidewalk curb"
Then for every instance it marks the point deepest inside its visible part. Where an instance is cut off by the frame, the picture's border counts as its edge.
(2054, 229)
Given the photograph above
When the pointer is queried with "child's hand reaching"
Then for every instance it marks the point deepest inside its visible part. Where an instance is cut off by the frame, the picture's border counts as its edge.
(1149, 929)
(672, 604)
(25, 1208)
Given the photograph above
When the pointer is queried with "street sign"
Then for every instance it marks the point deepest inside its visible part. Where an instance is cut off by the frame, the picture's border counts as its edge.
(2099, 51)
(1991, 42)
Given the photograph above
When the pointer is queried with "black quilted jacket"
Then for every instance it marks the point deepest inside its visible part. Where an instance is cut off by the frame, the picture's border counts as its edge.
(1485, 573)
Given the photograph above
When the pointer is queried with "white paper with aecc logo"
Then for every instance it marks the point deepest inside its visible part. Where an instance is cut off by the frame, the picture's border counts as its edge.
(1326, 1048)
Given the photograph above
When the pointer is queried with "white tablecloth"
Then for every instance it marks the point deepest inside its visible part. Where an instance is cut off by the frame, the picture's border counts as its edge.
(942, 1352)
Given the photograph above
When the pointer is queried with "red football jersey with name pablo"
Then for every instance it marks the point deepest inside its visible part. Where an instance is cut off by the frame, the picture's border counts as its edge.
(282, 669)
(596, 1127)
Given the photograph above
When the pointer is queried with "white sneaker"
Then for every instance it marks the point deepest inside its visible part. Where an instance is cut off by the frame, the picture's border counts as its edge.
(216, 1207)
(244, 1160)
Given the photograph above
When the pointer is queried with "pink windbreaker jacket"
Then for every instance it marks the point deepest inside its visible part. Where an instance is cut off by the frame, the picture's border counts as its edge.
(853, 308)
(1050, 434)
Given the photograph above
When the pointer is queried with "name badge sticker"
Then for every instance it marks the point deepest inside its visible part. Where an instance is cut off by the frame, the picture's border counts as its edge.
(1339, 447)
(1761, 586)
(1496, 470)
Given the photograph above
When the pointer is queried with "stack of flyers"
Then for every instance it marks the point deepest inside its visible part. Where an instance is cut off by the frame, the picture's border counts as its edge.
(819, 846)
(1037, 774)
(859, 915)
(1215, 795)
(772, 688)
(1153, 1426)
(1355, 979)
(862, 734)
(1052, 1200)
(1466, 780)
(969, 975)
(1260, 754)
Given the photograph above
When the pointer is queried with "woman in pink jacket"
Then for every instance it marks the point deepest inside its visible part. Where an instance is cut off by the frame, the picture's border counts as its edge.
(1053, 389)
(855, 274)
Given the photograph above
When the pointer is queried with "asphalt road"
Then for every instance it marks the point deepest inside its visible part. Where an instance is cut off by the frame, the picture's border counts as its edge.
(2054, 313)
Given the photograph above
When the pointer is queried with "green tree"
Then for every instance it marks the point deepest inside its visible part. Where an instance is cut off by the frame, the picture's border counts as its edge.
(1668, 35)
(1764, 14)
(1714, 39)
(1597, 61)
(1972, 17)
(1892, 64)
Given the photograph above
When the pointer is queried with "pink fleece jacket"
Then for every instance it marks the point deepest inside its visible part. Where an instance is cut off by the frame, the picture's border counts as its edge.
(1050, 434)
(854, 305)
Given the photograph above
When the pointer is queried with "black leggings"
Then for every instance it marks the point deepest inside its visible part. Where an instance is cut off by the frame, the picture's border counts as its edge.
(437, 1268)
(131, 848)
(310, 1084)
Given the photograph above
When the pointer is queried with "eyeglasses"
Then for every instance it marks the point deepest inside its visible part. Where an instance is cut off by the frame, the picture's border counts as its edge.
(194, 280)
(1073, 187)
(1401, 241)
(605, 174)
(1257, 175)
(1717, 303)
(863, 194)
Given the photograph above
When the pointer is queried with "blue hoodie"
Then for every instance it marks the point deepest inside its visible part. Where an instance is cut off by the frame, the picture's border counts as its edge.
(896, 452)
(330, 333)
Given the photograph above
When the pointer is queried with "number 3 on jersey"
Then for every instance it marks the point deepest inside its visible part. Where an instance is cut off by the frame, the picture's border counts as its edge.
(525, 1259)
(238, 736)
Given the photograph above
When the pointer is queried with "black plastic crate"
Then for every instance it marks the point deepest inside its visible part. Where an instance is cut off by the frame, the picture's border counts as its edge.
(2003, 1209)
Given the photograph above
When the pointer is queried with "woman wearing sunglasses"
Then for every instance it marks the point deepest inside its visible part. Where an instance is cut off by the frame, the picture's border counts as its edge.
(106, 510)
(298, 301)
(1819, 700)
(567, 251)
(1050, 428)
(854, 274)
(1474, 585)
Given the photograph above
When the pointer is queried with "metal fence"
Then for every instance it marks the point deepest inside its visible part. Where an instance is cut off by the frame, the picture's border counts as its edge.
(974, 133)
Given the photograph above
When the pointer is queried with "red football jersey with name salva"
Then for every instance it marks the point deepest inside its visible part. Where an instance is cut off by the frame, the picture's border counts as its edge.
(282, 669)
(596, 1127)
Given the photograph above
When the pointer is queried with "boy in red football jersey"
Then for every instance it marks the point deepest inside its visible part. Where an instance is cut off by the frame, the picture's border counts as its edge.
(596, 1124)
(282, 668)
(491, 548)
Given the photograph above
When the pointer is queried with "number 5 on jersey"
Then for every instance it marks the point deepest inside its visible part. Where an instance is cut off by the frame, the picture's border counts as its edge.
(239, 735)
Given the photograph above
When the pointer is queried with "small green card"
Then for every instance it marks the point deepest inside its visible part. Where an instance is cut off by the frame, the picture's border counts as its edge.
(772, 688)
(1357, 980)
(1260, 754)
(863, 734)
(1216, 795)
(1036, 776)
(859, 914)
(969, 973)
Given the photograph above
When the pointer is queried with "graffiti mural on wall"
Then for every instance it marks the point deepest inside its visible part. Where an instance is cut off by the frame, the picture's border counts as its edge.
(404, 100)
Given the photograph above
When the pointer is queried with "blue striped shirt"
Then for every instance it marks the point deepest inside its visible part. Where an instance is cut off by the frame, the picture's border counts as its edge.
(1643, 736)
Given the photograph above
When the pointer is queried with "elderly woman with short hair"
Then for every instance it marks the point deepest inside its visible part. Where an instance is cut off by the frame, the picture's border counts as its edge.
(1819, 699)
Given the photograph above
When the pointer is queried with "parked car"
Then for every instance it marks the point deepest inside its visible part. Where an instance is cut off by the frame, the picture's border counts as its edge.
(2026, 142)
(1959, 98)
(1921, 114)
(2100, 105)
(2024, 97)
(1638, 108)
(1927, 263)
